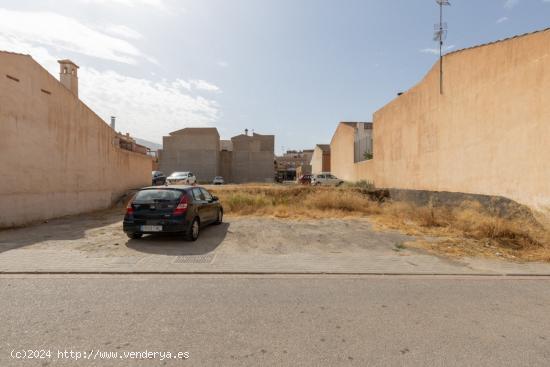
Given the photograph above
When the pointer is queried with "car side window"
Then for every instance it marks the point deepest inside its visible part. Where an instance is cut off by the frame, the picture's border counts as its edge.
(197, 194)
(321, 176)
(206, 194)
(190, 174)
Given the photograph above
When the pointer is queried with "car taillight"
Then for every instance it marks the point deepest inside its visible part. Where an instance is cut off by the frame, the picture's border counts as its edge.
(182, 206)
(129, 208)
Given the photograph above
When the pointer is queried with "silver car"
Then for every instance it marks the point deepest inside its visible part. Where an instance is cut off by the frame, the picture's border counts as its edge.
(326, 179)
(218, 180)
(181, 178)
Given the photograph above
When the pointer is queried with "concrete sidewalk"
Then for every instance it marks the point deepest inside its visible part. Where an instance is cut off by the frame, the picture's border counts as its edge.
(95, 243)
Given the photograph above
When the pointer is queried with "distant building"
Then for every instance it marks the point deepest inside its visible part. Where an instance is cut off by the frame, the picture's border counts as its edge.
(191, 149)
(252, 158)
(244, 158)
(320, 161)
(287, 165)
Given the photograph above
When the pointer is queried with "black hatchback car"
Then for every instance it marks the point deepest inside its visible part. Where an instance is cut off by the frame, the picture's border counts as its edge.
(171, 209)
(158, 178)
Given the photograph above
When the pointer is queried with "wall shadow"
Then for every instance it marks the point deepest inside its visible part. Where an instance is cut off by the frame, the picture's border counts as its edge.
(174, 244)
(71, 227)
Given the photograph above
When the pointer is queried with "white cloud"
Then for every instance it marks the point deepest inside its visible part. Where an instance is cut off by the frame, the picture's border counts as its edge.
(435, 51)
(159, 4)
(64, 33)
(123, 31)
(509, 4)
(145, 108)
(205, 86)
(502, 20)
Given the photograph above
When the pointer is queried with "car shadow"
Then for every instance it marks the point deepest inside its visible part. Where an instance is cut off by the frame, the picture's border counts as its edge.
(174, 244)
(67, 228)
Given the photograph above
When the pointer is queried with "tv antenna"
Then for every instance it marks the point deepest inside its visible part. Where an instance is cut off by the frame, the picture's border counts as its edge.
(440, 35)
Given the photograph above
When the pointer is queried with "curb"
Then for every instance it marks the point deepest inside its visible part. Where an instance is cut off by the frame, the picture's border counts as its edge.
(485, 275)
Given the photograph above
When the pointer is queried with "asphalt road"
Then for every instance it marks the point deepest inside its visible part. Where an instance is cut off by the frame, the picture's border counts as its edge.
(277, 320)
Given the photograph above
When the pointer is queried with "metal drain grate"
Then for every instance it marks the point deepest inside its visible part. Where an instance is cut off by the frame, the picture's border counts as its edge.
(194, 259)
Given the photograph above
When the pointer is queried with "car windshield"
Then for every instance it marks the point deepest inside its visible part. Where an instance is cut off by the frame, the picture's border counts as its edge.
(157, 195)
(179, 174)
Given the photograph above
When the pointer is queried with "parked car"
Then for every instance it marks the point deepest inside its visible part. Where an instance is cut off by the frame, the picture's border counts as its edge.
(305, 179)
(218, 180)
(158, 178)
(171, 209)
(326, 179)
(181, 178)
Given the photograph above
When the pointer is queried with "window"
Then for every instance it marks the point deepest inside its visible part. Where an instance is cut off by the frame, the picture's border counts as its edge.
(206, 194)
(157, 195)
(190, 174)
(197, 194)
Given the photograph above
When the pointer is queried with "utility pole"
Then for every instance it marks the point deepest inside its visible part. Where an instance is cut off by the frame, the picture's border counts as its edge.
(440, 35)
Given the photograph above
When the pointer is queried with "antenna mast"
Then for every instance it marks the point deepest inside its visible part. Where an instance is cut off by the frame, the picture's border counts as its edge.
(440, 35)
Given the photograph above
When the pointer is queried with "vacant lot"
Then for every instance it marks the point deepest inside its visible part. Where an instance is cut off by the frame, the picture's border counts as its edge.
(94, 242)
(464, 230)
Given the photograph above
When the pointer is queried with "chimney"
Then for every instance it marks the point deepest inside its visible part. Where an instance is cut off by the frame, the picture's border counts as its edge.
(246, 132)
(68, 75)
(113, 120)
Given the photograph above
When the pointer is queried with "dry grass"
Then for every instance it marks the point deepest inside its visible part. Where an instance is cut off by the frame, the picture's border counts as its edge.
(467, 230)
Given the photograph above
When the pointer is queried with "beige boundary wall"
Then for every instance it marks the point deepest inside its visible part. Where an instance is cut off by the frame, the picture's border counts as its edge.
(342, 156)
(342, 153)
(489, 133)
(57, 157)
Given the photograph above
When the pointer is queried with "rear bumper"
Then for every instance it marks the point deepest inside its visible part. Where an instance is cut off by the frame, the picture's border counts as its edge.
(131, 226)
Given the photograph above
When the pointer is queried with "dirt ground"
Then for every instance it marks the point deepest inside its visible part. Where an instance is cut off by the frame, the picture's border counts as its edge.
(94, 242)
(101, 233)
(286, 227)
(464, 229)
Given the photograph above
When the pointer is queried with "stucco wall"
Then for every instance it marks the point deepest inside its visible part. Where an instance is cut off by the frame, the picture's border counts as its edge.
(365, 171)
(489, 133)
(57, 157)
(342, 153)
(320, 161)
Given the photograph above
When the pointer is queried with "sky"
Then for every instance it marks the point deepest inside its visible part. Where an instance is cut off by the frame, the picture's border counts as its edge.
(292, 68)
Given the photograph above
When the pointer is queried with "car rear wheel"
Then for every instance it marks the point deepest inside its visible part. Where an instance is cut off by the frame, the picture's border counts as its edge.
(193, 231)
(134, 236)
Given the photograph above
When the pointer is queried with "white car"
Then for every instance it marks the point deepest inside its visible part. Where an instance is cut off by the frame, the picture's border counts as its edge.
(181, 178)
(326, 179)
(218, 180)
